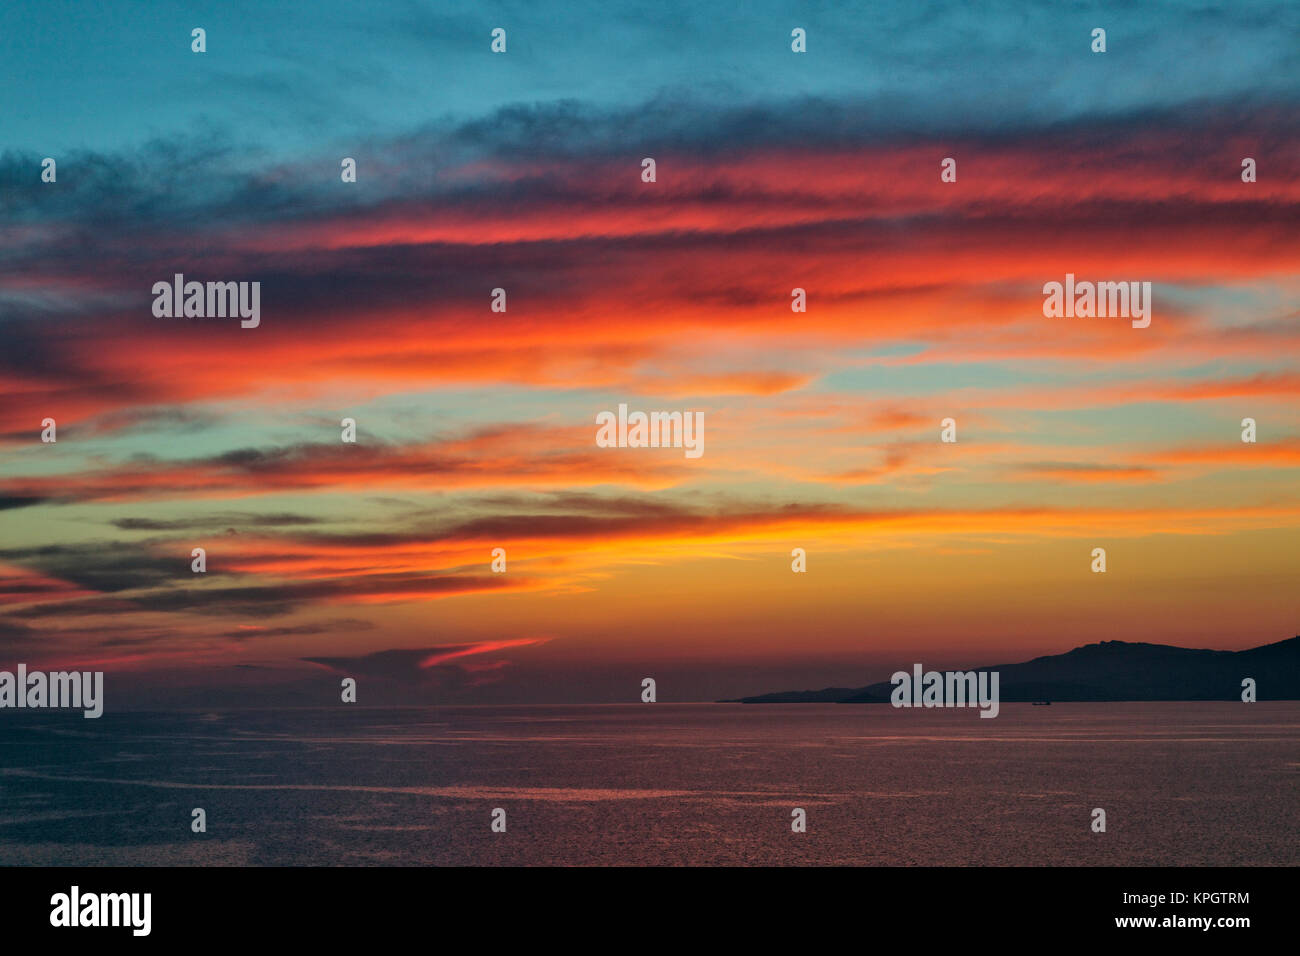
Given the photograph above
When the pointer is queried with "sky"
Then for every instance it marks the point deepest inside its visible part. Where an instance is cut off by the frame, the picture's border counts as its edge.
(476, 429)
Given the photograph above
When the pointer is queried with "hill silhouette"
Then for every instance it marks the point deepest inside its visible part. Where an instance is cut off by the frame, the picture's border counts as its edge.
(1111, 671)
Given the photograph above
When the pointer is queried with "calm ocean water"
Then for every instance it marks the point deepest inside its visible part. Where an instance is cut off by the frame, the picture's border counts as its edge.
(1182, 784)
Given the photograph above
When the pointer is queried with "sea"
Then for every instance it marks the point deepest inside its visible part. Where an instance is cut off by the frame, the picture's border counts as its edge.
(1183, 784)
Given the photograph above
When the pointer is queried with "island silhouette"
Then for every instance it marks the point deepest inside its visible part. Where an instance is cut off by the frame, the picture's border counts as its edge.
(1109, 671)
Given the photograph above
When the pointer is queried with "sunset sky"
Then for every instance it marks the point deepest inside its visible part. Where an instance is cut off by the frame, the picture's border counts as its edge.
(476, 430)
